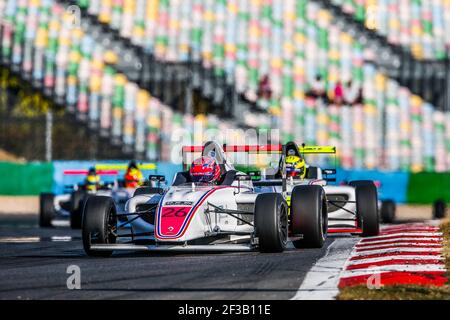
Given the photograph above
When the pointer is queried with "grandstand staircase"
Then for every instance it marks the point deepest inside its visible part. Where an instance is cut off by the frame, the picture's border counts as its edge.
(23, 122)
(186, 87)
(426, 78)
(183, 85)
(134, 78)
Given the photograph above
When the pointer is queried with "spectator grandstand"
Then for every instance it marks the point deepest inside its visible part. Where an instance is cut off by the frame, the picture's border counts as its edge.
(419, 25)
(98, 68)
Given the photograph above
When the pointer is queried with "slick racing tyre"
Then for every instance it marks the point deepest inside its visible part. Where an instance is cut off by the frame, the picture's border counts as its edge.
(367, 207)
(439, 209)
(387, 211)
(76, 209)
(46, 209)
(148, 190)
(271, 222)
(309, 216)
(99, 224)
(312, 173)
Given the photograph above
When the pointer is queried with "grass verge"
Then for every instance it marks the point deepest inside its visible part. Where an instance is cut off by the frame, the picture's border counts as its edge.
(405, 292)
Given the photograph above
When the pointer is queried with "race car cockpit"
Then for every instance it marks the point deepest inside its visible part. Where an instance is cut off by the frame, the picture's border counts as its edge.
(212, 150)
(294, 161)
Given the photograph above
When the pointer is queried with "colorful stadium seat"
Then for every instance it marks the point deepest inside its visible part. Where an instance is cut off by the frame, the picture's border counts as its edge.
(291, 41)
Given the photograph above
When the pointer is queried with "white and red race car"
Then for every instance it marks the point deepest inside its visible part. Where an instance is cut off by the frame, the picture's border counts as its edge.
(67, 205)
(70, 204)
(236, 214)
(352, 208)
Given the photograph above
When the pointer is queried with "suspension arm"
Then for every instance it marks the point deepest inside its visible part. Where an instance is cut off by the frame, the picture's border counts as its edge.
(229, 212)
(334, 203)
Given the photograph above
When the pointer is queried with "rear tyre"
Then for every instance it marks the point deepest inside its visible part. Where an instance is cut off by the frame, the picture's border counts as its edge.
(148, 190)
(439, 209)
(76, 209)
(271, 222)
(46, 209)
(99, 223)
(367, 207)
(387, 211)
(312, 173)
(361, 183)
(309, 216)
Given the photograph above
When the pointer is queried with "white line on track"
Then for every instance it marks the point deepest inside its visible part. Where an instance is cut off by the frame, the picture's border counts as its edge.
(424, 224)
(398, 249)
(321, 282)
(410, 227)
(385, 241)
(61, 223)
(392, 232)
(438, 266)
(411, 244)
(404, 234)
(398, 267)
(399, 257)
(19, 239)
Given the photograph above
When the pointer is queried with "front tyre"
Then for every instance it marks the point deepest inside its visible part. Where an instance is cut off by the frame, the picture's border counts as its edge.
(46, 209)
(76, 209)
(367, 207)
(387, 211)
(271, 222)
(439, 209)
(99, 224)
(309, 216)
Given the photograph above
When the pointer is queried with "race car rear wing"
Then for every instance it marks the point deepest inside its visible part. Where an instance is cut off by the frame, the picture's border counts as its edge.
(257, 149)
(317, 150)
(248, 149)
(124, 166)
(85, 172)
(270, 148)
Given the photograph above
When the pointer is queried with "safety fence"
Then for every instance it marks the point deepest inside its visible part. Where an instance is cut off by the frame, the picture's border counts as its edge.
(20, 179)
(33, 178)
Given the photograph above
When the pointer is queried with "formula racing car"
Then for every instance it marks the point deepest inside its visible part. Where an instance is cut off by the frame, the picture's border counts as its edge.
(70, 204)
(352, 208)
(234, 214)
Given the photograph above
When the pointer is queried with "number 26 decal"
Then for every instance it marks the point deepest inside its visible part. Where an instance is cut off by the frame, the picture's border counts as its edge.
(175, 212)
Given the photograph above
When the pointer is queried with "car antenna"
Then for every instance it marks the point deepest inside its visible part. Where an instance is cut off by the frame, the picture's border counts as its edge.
(283, 172)
(335, 163)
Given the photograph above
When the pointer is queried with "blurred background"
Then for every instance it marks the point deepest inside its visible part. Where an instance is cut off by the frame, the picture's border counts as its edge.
(113, 79)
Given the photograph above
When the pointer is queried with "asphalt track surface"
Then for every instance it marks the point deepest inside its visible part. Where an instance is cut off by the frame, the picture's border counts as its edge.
(34, 262)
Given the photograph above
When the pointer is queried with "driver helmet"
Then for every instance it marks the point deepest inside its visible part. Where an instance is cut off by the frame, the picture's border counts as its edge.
(132, 165)
(295, 167)
(133, 177)
(205, 169)
(92, 180)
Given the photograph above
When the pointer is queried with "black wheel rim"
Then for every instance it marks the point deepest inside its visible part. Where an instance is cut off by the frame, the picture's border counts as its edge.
(283, 225)
(110, 232)
(324, 218)
(111, 226)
